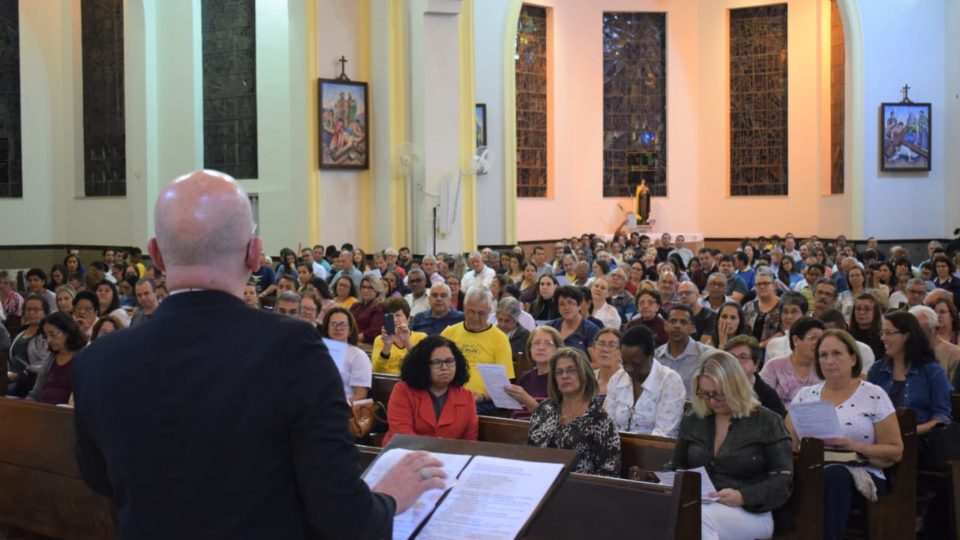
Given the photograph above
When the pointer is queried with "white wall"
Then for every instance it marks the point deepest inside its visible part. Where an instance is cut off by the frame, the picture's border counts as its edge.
(951, 122)
(904, 205)
(490, 24)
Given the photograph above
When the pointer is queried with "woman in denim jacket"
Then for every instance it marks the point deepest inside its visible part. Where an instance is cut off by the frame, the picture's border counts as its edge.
(910, 374)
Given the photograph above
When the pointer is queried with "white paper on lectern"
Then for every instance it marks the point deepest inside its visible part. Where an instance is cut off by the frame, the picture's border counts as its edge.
(493, 499)
(495, 379)
(404, 524)
(338, 351)
(816, 419)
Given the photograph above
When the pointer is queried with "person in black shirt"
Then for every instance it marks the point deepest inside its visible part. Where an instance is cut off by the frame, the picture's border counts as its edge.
(747, 351)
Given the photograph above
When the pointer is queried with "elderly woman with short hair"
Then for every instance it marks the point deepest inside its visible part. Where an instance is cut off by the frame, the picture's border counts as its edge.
(572, 419)
(531, 387)
(744, 448)
(369, 310)
(509, 311)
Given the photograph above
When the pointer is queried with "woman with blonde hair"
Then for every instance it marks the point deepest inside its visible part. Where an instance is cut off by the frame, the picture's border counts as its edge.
(744, 448)
(369, 310)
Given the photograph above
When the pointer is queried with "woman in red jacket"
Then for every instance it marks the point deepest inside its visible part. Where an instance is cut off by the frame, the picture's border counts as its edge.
(430, 399)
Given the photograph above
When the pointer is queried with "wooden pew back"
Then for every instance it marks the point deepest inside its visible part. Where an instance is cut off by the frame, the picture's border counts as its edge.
(42, 490)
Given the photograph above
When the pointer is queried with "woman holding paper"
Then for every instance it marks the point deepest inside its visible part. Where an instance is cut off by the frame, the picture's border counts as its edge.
(572, 419)
(531, 387)
(744, 448)
(868, 424)
(430, 399)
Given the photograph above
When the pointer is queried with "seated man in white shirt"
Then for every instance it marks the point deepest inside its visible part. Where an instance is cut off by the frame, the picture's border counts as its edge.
(418, 299)
(480, 274)
(644, 396)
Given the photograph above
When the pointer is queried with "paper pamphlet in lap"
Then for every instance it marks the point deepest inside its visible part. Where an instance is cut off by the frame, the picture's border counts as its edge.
(495, 379)
(486, 497)
(706, 485)
(817, 419)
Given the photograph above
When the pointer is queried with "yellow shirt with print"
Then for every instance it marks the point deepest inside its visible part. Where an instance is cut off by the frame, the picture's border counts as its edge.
(391, 365)
(488, 347)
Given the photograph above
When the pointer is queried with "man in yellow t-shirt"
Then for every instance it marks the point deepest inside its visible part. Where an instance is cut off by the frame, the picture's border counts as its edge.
(480, 342)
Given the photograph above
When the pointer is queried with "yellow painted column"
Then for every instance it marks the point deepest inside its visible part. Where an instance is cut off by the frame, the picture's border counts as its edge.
(510, 123)
(399, 118)
(313, 126)
(366, 179)
(468, 141)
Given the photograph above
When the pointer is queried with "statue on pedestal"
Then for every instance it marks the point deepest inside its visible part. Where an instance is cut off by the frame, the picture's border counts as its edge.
(642, 203)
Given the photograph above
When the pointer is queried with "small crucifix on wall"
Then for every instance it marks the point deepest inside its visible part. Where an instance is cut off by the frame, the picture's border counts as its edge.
(343, 69)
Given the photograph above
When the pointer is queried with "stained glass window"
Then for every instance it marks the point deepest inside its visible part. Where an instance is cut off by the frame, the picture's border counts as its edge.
(634, 103)
(837, 80)
(758, 100)
(104, 127)
(11, 170)
(531, 77)
(230, 87)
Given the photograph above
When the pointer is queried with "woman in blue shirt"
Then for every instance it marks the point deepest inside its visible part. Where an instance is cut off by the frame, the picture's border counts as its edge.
(910, 374)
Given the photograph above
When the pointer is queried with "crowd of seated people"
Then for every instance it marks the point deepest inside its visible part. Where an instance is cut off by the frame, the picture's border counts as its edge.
(615, 335)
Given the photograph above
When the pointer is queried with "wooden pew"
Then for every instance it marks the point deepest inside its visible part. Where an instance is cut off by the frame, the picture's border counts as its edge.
(40, 486)
(381, 386)
(893, 516)
(801, 517)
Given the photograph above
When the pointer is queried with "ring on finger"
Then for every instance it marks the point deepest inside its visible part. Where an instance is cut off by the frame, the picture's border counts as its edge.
(425, 473)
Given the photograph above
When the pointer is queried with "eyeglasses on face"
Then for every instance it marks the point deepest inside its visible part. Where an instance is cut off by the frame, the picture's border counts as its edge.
(340, 325)
(571, 371)
(445, 362)
(711, 396)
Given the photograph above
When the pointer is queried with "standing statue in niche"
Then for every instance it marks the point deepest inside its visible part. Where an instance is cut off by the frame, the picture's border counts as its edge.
(642, 203)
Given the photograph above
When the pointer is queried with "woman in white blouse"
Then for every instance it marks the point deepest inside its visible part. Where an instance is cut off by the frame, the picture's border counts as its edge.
(867, 421)
(645, 396)
(602, 311)
(355, 367)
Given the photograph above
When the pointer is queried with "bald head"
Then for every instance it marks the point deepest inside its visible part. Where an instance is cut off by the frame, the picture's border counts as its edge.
(204, 227)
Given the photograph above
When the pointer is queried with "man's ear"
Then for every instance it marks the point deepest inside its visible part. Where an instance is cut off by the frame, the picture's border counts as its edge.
(154, 250)
(252, 257)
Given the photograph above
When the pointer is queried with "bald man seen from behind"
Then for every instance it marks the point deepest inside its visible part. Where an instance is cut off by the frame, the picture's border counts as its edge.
(217, 421)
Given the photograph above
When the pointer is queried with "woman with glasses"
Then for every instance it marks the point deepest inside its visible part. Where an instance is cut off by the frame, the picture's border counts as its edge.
(86, 308)
(645, 396)
(910, 373)
(430, 399)
(606, 358)
(856, 285)
(648, 314)
(744, 448)
(866, 323)
(355, 369)
(762, 314)
(55, 378)
(28, 349)
(867, 420)
(572, 419)
(531, 387)
(344, 292)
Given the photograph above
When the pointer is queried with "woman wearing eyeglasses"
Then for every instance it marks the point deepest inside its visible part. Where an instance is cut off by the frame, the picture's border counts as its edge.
(430, 399)
(28, 349)
(356, 370)
(572, 418)
(645, 396)
(531, 387)
(762, 315)
(744, 447)
(867, 420)
(910, 373)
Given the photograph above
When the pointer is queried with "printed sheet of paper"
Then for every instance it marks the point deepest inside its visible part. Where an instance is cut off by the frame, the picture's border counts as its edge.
(404, 524)
(816, 419)
(493, 500)
(338, 351)
(706, 485)
(495, 379)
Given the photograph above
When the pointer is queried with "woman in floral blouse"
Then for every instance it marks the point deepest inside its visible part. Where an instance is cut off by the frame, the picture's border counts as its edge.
(572, 418)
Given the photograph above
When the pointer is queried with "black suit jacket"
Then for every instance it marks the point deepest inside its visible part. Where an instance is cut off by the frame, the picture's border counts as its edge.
(215, 420)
